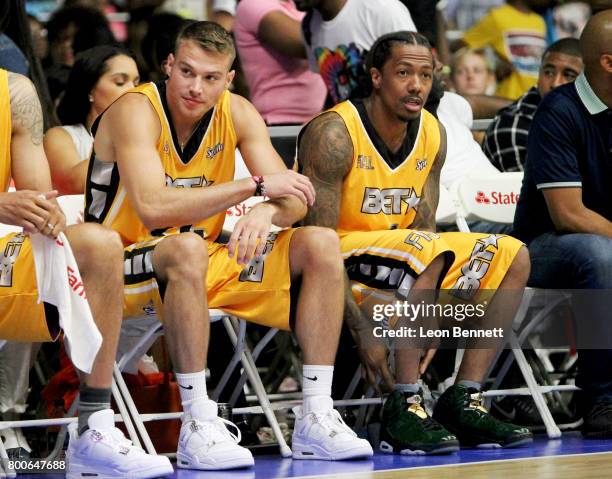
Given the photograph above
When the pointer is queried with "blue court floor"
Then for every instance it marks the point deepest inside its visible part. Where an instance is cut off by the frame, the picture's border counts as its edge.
(273, 467)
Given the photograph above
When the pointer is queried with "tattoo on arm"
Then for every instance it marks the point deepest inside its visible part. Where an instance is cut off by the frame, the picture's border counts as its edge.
(325, 154)
(26, 111)
(426, 214)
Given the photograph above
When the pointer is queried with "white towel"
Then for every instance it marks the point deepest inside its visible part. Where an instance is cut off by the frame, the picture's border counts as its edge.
(59, 283)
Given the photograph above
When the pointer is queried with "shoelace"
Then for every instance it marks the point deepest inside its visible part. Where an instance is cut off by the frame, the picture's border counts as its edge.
(123, 441)
(333, 422)
(416, 407)
(477, 402)
(215, 431)
(116, 438)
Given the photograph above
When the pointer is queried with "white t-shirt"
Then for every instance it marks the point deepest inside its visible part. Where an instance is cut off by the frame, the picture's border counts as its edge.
(336, 48)
(464, 156)
(82, 139)
(228, 6)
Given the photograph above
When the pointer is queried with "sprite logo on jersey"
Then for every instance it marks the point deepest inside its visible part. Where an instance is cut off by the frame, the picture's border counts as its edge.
(212, 152)
(389, 201)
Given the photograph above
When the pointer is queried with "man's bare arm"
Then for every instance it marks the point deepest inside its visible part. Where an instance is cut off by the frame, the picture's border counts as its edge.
(425, 219)
(325, 156)
(29, 167)
(261, 159)
(132, 144)
(569, 214)
(486, 106)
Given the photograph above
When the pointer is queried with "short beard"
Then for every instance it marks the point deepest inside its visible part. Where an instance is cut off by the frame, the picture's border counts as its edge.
(407, 118)
(435, 95)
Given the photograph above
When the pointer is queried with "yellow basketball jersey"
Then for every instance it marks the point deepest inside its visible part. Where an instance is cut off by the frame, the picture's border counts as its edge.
(5, 131)
(375, 195)
(21, 317)
(212, 163)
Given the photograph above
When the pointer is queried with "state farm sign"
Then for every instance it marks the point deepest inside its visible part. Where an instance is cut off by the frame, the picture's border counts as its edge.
(496, 198)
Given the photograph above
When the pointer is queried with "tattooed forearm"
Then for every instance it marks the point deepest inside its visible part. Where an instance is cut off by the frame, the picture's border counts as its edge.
(425, 219)
(426, 214)
(26, 112)
(325, 155)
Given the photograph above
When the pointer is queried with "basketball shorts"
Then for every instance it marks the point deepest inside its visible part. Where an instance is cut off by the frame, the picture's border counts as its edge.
(394, 259)
(21, 317)
(258, 292)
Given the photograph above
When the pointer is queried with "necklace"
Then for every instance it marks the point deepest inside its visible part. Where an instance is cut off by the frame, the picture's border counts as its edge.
(183, 143)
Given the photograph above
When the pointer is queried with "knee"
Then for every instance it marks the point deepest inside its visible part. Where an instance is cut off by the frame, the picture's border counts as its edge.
(319, 249)
(595, 264)
(521, 266)
(96, 246)
(183, 257)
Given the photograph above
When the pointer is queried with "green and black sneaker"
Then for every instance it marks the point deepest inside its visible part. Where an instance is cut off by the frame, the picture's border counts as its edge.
(407, 429)
(461, 411)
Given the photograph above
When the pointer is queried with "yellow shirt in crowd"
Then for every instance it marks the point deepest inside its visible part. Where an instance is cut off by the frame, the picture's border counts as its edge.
(517, 37)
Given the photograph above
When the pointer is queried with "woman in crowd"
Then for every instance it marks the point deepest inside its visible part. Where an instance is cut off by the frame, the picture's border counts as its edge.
(271, 51)
(99, 76)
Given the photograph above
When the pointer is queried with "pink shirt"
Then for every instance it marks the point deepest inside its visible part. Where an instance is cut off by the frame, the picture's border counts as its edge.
(283, 89)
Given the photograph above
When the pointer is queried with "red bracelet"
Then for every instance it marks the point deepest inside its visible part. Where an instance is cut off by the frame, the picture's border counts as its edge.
(260, 189)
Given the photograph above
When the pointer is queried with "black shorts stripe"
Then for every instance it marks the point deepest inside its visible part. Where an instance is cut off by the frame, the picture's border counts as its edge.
(378, 272)
(138, 265)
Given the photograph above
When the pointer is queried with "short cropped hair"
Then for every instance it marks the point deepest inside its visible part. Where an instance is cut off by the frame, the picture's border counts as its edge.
(567, 46)
(210, 36)
(381, 50)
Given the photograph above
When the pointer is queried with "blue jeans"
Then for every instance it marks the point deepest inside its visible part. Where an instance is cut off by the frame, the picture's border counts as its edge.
(580, 261)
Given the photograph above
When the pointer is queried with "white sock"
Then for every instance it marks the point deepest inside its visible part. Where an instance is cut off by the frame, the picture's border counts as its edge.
(192, 386)
(317, 381)
(409, 388)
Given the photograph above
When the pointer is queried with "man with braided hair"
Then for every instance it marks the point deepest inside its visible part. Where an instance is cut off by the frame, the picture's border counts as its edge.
(338, 34)
(375, 165)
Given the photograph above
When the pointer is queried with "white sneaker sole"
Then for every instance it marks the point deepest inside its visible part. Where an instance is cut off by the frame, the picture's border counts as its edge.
(84, 471)
(184, 462)
(307, 451)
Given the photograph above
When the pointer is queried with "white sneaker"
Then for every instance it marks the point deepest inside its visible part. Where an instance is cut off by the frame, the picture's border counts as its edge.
(103, 452)
(205, 443)
(320, 433)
